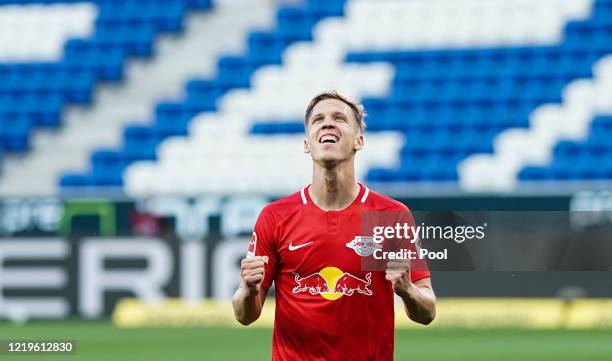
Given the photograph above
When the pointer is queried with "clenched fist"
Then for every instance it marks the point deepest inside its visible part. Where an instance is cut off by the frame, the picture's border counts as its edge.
(398, 273)
(252, 271)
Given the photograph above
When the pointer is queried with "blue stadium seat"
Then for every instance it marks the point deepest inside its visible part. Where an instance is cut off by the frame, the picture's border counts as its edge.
(450, 104)
(108, 167)
(34, 94)
(590, 159)
(14, 133)
(71, 180)
(172, 118)
(141, 141)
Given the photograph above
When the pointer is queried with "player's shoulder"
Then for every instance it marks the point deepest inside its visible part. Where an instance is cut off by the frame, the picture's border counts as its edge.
(285, 205)
(380, 202)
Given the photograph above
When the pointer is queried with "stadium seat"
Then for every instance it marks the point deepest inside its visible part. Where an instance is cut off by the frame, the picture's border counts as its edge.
(33, 94)
(294, 23)
(575, 160)
(473, 93)
(451, 82)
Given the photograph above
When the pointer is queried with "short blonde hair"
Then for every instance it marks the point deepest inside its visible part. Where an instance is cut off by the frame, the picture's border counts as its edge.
(358, 111)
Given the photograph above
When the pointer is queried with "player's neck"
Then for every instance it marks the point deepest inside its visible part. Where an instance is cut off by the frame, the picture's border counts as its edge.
(334, 189)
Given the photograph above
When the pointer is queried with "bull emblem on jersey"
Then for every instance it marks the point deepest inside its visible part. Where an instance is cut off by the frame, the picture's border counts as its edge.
(315, 284)
(363, 246)
(332, 283)
(349, 284)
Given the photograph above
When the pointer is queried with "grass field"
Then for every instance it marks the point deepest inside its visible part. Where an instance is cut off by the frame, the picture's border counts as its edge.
(101, 341)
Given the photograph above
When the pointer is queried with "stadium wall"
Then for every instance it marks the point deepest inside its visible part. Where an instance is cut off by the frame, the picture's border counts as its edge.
(78, 257)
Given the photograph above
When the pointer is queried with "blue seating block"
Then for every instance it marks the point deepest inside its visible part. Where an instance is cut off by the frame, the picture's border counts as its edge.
(14, 133)
(141, 142)
(589, 159)
(34, 94)
(449, 103)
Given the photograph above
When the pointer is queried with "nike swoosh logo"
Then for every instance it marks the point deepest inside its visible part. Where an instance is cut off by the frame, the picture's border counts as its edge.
(293, 248)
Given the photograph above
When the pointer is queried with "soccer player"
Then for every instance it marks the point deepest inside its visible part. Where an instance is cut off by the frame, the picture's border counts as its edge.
(327, 306)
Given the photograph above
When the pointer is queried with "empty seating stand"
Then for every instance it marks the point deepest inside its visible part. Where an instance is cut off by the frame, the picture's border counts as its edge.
(294, 23)
(590, 159)
(452, 103)
(449, 104)
(34, 94)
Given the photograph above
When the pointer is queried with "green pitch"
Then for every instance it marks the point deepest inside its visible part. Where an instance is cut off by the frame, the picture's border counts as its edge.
(100, 341)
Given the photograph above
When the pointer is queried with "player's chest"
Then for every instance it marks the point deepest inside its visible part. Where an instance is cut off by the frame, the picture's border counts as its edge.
(333, 239)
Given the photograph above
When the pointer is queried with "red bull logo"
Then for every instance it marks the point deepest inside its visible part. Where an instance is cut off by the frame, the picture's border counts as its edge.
(364, 246)
(315, 284)
(347, 284)
(332, 283)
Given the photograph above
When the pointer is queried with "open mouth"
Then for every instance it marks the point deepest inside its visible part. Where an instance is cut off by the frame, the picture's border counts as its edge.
(328, 138)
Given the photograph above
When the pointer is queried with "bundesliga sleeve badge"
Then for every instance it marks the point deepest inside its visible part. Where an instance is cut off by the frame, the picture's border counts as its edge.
(252, 245)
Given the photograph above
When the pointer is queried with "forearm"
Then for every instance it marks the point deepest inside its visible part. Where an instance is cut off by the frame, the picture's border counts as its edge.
(247, 305)
(420, 304)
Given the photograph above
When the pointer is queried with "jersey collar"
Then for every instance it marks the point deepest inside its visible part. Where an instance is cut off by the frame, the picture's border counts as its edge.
(362, 196)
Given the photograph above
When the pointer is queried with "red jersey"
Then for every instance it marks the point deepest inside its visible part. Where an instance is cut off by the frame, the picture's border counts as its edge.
(327, 307)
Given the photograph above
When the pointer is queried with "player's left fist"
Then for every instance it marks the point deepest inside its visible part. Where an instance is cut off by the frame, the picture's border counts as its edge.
(398, 273)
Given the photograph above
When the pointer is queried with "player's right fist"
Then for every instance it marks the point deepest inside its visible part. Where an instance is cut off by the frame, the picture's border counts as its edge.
(252, 272)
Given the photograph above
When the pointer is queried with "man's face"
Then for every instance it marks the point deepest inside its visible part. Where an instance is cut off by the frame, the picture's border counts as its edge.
(332, 133)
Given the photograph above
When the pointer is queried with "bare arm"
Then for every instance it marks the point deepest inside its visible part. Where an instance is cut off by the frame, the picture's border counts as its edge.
(249, 297)
(419, 298)
(420, 301)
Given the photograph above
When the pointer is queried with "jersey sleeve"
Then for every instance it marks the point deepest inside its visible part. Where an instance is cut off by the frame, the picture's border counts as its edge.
(264, 243)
